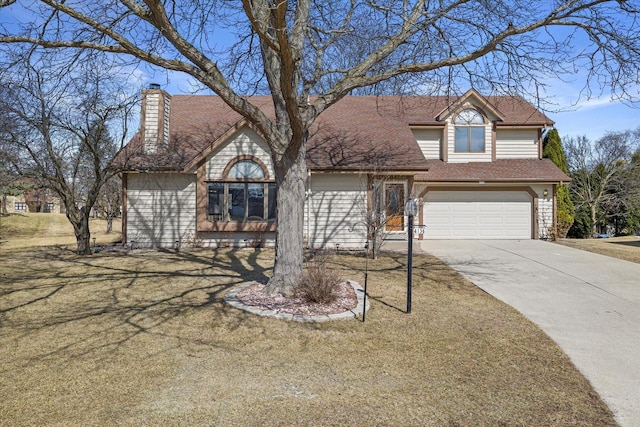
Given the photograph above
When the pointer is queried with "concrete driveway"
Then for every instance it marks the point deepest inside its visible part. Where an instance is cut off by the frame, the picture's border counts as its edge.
(588, 303)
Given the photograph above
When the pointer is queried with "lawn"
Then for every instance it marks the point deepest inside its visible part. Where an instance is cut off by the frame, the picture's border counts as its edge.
(28, 230)
(623, 247)
(143, 338)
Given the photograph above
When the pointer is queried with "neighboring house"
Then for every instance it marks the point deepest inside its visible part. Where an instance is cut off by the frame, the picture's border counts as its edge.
(33, 200)
(198, 173)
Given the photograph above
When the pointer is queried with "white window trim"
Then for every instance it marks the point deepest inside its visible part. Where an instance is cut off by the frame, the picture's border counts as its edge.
(482, 125)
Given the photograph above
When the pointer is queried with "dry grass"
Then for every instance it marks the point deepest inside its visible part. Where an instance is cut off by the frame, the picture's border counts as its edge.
(626, 247)
(31, 230)
(144, 339)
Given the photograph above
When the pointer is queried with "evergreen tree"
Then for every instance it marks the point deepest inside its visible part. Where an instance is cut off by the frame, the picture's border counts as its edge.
(552, 150)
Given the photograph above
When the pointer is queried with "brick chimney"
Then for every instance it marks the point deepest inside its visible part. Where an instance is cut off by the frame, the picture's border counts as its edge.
(155, 119)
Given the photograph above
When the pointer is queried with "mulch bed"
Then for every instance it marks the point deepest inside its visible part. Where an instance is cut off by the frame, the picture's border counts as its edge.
(298, 304)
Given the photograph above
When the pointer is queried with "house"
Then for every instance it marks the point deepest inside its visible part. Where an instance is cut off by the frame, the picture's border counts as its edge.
(32, 199)
(198, 173)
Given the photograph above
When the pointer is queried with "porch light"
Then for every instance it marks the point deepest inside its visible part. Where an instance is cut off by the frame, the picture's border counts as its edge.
(411, 209)
(545, 193)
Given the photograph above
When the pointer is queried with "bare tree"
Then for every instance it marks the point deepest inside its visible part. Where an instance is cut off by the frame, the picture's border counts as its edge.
(603, 177)
(10, 184)
(109, 201)
(295, 49)
(379, 216)
(60, 124)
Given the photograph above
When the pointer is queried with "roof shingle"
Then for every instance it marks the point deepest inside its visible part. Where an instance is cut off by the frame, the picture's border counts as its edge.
(357, 133)
(504, 170)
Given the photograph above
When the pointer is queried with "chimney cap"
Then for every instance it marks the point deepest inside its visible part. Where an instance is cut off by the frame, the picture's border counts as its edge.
(154, 86)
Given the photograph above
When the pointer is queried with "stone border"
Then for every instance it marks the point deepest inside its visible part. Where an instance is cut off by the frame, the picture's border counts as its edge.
(231, 299)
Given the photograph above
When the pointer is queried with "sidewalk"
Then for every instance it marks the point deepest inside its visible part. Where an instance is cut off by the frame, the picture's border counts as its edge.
(400, 244)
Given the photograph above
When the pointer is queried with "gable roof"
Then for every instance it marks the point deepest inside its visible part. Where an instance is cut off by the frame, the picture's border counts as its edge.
(480, 101)
(357, 133)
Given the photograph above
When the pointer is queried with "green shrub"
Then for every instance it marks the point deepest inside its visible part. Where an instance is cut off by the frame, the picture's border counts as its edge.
(552, 149)
(566, 211)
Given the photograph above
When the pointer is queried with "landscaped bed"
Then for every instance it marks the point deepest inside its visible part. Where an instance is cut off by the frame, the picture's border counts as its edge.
(144, 338)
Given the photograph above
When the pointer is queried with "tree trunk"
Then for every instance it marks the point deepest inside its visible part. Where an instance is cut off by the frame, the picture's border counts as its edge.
(109, 224)
(592, 212)
(80, 221)
(291, 175)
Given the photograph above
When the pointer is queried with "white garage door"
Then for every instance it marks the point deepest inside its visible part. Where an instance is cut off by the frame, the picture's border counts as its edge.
(478, 215)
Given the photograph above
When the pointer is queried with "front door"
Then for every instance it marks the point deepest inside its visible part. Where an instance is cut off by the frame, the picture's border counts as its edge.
(394, 205)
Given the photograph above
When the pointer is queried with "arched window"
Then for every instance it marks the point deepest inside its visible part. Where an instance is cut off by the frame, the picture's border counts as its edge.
(246, 169)
(245, 194)
(469, 132)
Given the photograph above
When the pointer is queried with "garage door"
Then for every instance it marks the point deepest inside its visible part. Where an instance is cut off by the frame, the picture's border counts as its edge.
(478, 215)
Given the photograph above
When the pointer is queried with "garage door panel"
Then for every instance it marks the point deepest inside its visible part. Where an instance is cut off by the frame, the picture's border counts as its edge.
(478, 196)
(518, 220)
(523, 208)
(461, 233)
(442, 219)
(490, 208)
(491, 221)
(478, 215)
(441, 207)
(463, 207)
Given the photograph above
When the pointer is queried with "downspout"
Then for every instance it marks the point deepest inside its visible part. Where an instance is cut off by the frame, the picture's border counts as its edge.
(124, 200)
(309, 198)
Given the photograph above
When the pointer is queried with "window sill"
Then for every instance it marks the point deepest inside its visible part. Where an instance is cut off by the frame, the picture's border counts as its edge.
(231, 226)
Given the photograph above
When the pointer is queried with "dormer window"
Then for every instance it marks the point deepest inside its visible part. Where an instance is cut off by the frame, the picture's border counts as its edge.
(469, 131)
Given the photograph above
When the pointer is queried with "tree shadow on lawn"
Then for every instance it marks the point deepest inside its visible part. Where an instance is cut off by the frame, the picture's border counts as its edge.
(146, 333)
(75, 306)
(390, 264)
(635, 244)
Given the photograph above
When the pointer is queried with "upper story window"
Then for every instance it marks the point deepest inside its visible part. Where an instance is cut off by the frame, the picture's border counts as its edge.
(245, 194)
(469, 132)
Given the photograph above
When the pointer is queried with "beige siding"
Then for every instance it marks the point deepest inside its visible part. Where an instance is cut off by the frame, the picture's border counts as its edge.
(545, 210)
(244, 142)
(517, 144)
(151, 120)
(454, 157)
(429, 142)
(337, 202)
(165, 127)
(161, 209)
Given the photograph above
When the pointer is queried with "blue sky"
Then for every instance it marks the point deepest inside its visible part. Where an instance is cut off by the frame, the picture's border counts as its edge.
(595, 117)
(573, 115)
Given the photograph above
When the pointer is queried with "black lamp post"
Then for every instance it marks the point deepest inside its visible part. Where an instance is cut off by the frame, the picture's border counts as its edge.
(366, 272)
(411, 209)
